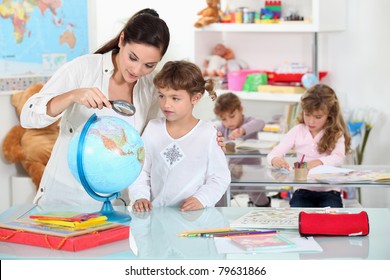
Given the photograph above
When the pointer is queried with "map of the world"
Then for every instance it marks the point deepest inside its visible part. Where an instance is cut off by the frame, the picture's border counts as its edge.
(38, 36)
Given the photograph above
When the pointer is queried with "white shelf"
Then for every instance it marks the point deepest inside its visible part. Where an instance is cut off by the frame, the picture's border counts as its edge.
(264, 96)
(254, 27)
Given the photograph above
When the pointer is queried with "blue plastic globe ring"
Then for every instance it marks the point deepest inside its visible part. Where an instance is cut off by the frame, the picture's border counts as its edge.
(107, 209)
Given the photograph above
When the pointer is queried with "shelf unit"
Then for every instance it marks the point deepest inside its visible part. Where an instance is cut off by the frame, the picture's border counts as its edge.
(259, 44)
(264, 96)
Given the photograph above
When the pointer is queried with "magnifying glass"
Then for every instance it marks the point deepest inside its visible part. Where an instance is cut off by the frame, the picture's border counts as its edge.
(123, 107)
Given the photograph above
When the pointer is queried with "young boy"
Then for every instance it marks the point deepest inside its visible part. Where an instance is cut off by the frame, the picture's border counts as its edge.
(234, 125)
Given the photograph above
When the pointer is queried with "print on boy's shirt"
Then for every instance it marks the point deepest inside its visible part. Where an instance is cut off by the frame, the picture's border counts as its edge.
(172, 154)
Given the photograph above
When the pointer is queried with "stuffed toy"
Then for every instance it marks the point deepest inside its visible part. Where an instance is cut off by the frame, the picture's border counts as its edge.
(209, 15)
(30, 147)
(222, 61)
(216, 63)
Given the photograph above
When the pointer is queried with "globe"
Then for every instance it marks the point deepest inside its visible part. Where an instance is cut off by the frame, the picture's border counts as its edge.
(106, 156)
(309, 79)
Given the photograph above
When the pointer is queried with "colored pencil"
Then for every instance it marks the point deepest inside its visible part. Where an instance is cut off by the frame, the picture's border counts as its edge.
(203, 231)
(222, 233)
(243, 233)
(301, 162)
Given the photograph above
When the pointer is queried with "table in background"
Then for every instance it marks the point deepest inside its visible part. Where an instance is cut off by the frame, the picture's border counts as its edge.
(264, 176)
(156, 237)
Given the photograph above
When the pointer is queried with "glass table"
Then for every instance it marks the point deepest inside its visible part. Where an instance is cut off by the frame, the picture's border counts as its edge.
(155, 237)
(250, 175)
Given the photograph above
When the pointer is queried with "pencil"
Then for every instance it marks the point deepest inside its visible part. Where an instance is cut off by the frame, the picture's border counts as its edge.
(204, 231)
(245, 233)
(301, 162)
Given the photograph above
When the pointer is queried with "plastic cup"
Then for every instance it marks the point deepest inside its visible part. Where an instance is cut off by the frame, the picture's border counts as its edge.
(300, 174)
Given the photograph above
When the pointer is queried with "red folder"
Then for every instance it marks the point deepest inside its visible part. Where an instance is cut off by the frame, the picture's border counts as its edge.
(73, 244)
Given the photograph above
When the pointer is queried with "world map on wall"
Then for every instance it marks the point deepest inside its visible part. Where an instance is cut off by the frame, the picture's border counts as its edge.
(38, 36)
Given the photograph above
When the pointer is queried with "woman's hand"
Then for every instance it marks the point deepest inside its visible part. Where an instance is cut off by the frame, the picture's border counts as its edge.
(142, 205)
(190, 204)
(89, 97)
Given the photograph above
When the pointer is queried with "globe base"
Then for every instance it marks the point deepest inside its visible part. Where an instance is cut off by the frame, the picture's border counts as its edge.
(112, 215)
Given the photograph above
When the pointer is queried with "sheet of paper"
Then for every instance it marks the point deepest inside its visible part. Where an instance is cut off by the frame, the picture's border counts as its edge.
(324, 169)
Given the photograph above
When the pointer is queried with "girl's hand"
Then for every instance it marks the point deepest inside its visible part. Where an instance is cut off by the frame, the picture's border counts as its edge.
(221, 141)
(190, 204)
(279, 163)
(313, 163)
(142, 205)
(236, 133)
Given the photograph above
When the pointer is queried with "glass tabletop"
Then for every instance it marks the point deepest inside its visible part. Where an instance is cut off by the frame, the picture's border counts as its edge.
(257, 175)
(156, 236)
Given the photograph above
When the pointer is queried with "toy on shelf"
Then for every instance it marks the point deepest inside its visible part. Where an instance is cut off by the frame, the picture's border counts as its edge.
(271, 13)
(216, 63)
(209, 15)
(292, 73)
(222, 61)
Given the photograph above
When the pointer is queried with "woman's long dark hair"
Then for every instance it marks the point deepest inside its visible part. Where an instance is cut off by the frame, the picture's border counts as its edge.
(145, 27)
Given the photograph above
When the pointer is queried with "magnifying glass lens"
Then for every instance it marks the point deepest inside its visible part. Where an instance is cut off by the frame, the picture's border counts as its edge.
(123, 107)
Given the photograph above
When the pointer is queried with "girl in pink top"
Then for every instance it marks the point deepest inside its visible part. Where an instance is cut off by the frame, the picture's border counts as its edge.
(322, 137)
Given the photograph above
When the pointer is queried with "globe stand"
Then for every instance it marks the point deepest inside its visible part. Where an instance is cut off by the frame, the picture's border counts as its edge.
(107, 209)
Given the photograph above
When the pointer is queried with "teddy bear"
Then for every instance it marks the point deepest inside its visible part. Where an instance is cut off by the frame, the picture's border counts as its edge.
(210, 14)
(30, 147)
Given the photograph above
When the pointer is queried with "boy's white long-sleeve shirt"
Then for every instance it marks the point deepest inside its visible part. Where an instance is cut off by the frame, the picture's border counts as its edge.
(176, 169)
(58, 186)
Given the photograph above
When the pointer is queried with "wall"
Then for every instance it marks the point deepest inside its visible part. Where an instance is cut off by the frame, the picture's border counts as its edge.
(357, 60)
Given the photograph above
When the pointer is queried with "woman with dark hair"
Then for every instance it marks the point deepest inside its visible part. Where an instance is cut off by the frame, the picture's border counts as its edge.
(119, 70)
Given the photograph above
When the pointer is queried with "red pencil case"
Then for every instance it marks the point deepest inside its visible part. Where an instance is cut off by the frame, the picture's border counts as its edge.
(333, 224)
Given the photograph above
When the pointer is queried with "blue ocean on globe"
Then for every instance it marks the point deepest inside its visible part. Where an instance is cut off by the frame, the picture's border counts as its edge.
(112, 157)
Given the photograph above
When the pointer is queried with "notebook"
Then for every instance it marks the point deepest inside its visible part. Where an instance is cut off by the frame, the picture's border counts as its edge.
(260, 242)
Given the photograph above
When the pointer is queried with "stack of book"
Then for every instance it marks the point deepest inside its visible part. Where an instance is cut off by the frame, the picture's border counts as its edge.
(68, 231)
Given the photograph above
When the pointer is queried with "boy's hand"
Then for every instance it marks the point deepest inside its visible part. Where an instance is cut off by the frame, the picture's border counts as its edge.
(190, 204)
(279, 163)
(237, 133)
(142, 205)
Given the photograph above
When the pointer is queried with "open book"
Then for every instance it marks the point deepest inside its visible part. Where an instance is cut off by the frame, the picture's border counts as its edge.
(271, 218)
(250, 145)
(353, 177)
(334, 175)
